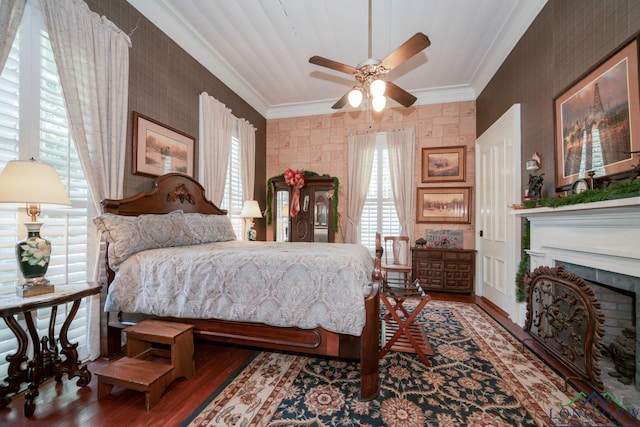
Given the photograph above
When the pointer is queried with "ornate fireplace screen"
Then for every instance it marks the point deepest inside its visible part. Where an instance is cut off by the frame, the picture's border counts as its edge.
(564, 316)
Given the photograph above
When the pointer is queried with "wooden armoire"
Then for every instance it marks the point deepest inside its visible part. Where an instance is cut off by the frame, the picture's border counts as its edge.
(314, 222)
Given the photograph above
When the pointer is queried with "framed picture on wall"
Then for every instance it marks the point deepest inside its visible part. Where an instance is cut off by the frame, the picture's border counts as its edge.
(159, 149)
(597, 120)
(444, 164)
(444, 205)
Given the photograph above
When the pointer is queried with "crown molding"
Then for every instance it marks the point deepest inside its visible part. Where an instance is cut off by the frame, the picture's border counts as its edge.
(425, 97)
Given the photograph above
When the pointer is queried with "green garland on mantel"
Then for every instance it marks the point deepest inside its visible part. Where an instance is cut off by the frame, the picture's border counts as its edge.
(336, 187)
(618, 190)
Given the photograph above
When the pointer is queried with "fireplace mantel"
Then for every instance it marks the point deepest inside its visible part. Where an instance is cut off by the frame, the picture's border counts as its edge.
(604, 235)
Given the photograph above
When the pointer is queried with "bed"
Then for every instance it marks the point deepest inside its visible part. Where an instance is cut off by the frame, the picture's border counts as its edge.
(342, 321)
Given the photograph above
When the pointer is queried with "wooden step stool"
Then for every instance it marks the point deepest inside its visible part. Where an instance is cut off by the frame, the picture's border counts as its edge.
(137, 371)
(135, 374)
(178, 336)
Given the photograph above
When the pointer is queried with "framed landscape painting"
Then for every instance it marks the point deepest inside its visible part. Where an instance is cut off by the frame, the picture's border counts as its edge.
(597, 120)
(444, 164)
(444, 205)
(159, 149)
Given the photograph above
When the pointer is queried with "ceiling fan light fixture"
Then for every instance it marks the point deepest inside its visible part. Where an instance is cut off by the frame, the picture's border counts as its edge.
(377, 88)
(355, 97)
(378, 103)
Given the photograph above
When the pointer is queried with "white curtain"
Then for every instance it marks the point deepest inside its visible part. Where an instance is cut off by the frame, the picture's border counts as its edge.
(92, 56)
(10, 17)
(360, 151)
(402, 152)
(214, 146)
(247, 138)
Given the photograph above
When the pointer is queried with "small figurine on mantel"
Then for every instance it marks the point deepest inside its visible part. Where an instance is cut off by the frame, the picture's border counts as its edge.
(534, 191)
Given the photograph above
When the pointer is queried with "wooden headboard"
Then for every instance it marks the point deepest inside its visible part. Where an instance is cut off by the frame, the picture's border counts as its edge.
(170, 192)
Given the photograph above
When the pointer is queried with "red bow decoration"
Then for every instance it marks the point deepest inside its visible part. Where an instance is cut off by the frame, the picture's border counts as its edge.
(295, 179)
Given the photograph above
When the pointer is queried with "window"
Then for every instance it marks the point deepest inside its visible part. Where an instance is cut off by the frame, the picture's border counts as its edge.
(233, 198)
(379, 212)
(34, 123)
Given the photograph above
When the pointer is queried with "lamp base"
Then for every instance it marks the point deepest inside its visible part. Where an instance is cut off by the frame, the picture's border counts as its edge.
(27, 290)
(33, 254)
(251, 233)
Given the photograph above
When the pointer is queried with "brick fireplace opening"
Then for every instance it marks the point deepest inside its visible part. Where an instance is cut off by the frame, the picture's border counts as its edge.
(617, 294)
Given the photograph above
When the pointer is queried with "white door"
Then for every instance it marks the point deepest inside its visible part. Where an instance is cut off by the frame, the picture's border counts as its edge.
(498, 187)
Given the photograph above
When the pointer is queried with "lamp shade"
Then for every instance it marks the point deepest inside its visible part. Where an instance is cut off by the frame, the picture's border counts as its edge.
(251, 209)
(532, 165)
(29, 181)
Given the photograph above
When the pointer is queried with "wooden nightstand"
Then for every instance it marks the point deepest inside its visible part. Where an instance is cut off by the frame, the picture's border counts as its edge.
(46, 361)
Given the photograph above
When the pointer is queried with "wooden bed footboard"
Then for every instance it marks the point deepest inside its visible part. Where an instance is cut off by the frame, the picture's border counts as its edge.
(189, 197)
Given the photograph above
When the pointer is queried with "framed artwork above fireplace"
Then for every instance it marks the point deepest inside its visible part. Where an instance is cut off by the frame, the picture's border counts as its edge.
(597, 120)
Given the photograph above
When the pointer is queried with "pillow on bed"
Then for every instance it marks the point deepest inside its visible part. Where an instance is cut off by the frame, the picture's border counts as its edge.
(128, 235)
(210, 228)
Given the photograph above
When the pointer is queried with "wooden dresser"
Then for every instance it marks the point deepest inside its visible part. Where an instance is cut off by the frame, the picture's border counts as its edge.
(444, 270)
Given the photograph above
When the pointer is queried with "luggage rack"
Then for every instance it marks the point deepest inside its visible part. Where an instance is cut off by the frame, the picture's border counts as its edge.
(399, 332)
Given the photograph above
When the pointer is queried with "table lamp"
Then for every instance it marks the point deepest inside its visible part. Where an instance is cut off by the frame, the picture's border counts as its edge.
(35, 184)
(250, 210)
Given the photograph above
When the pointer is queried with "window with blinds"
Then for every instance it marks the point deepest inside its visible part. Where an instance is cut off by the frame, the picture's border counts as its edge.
(379, 212)
(233, 199)
(34, 123)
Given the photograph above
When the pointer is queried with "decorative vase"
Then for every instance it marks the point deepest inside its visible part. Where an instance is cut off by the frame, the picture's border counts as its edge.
(33, 254)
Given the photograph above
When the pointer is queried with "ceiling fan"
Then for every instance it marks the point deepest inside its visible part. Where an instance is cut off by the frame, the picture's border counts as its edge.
(369, 73)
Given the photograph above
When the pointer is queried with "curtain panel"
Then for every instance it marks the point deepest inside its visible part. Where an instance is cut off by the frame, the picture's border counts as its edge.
(10, 17)
(92, 56)
(247, 138)
(360, 151)
(214, 146)
(402, 152)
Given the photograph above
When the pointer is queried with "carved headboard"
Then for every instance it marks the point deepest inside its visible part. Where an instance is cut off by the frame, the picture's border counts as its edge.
(170, 192)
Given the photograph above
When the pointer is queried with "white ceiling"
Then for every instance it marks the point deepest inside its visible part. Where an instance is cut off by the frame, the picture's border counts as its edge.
(261, 48)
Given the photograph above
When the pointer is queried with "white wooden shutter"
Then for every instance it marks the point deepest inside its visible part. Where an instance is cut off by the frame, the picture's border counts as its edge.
(233, 199)
(379, 212)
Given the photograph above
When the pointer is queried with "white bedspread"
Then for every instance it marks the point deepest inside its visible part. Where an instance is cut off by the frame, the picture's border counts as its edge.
(280, 284)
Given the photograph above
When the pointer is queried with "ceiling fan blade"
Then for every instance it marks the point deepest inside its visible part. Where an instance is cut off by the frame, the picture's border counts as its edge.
(324, 62)
(400, 95)
(415, 44)
(341, 102)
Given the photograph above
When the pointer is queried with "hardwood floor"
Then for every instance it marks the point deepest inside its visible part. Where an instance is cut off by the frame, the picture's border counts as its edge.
(65, 404)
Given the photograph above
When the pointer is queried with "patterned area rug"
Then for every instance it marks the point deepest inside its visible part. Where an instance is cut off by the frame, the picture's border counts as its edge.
(479, 377)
